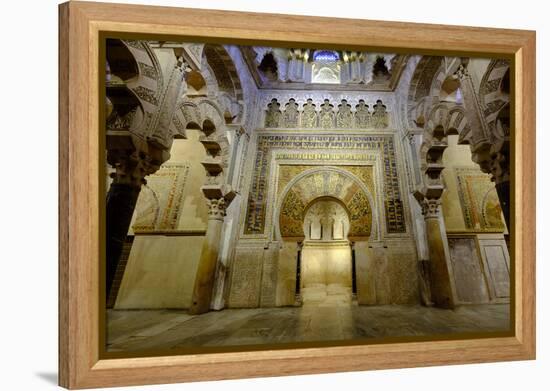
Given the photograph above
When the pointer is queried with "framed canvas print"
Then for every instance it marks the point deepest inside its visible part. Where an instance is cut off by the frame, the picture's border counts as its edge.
(247, 195)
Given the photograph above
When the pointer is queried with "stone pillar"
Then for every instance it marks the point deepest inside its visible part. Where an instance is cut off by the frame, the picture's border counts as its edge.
(121, 202)
(204, 281)
(440, 274)
(121, 198)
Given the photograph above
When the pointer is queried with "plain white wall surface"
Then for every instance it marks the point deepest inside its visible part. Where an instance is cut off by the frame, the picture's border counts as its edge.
(28, 124)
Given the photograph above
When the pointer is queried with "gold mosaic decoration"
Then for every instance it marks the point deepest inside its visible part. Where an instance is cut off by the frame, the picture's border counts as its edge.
(158, 205)
(291, 218)
(479, 201)
(327, 183)
(257, 197)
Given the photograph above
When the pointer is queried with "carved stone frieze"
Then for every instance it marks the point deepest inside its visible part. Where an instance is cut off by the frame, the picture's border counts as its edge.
(326, 117)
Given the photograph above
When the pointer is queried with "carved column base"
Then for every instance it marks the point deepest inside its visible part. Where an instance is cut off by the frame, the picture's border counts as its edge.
(121, 202)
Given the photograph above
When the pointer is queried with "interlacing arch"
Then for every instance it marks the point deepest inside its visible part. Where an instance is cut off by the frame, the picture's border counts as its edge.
(425, 89)
(224, 70)
(419, 89)
(494, 97)
(133, 103)
(448, 116)
(444, 119)
(206, 116)
(228, 84)
(494, 89)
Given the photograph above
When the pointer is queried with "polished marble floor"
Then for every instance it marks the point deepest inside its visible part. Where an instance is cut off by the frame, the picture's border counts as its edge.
(135, 330)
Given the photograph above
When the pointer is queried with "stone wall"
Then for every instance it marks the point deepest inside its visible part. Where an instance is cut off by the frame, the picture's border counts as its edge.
(246, 277)
(160, 272)
(386, 273)
(475, 229)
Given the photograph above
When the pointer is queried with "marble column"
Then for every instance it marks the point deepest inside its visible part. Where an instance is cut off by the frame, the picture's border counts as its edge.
(204, 281)
(440, 274)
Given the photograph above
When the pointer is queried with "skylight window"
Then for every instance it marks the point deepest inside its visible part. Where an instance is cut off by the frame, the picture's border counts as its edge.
(325, 56)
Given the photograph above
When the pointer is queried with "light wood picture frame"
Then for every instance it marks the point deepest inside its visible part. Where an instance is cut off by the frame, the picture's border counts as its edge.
(81, 25)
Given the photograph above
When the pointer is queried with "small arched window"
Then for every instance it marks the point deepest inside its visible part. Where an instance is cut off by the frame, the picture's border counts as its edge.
(326, 56)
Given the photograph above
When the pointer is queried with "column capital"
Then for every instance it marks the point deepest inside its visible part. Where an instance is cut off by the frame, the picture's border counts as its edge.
(239, 132)
(216, 208)
(430, 207)
(494, 163)
(462, 72)
(130, 168)
(500, 168)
